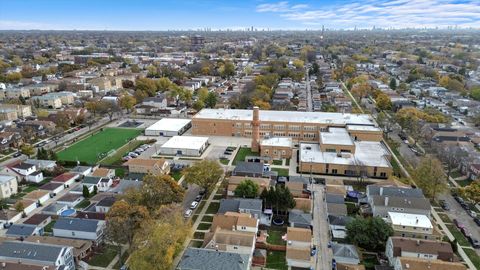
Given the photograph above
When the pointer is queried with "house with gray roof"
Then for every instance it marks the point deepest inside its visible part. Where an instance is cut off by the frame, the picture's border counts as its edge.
(250, 169)
(394, 191)
(345, 254)
(60, 257)
(334, 198)
(299, 219)
(207, 259)
(78, 228)
(381, 205)
(124, 185)
(251, 206)
(23, 230)
(337, 225)
(82, 170)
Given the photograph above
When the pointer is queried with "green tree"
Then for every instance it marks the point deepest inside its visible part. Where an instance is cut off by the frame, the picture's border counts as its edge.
(430, 177)
(369, 233)
(27, 150)
(123, 220)
(384, 103)
(202, 94)
(471, 192)
(85, 192)
(211, 100)
(159, 190)
(127, 102)
(146, 85)
(247, 189)
(198, 105)
(475, 93)
(393, 84)
(278, 198)
(205, 174)
(19, 206)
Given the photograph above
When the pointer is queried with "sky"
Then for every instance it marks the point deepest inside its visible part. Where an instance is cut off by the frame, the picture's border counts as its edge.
(236, 14)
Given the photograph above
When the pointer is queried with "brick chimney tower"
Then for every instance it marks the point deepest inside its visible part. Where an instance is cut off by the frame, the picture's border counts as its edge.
(256, 130)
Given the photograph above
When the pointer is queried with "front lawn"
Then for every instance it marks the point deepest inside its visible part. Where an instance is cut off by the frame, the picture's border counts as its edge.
(103, 257)
(204, 226)
(458, 235)
(207, 219)
(29, 189)
(195, 244)
(213, 208)
(276, 260)
(275, 238)
(49, 227)
(242, 153)
(277, 162)
(224, 161)
(281, 172)
(176, 175)
(473, 257)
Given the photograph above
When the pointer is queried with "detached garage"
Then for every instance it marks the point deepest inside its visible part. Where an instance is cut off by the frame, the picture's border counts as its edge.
(184, 146)
(168, 127)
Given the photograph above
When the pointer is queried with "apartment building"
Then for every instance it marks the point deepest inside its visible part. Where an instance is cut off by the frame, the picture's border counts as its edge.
(22, 110)
(8, 186)
(8, 114)
(412, 226)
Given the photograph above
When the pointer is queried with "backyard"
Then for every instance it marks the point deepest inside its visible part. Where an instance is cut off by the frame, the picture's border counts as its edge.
(97, 146)
(242, 153)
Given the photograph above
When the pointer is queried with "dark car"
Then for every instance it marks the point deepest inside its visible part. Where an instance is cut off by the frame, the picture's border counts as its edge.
(459, 199)
(198, 198)
(475, 243)
(17, 154)
(458, 224)
(465, 231)
(477, 221)
(444, 205)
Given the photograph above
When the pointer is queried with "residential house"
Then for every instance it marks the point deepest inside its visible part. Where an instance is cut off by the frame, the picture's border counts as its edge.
(22, 110)
(125, 185)
(103, 173)
(26, 172)
(81, 248)
(42, 164)
(39, 220)
(66, 178)
(53, 188)
(337, 226)
(299, 244)
(250, 206)
(28, 205)
(299, 219)
(23, 230)
(57, 256)
(249, 169)
(416, 248)
(203, 259)
(91, 181)
(48, 101)
(344, 254)
(8, 217)
(336, 209)
(407, 263)
(235, 221)
(55, 209)
(8, 115)
(39, 196)
(241, 242)
(70, 199)
(88, 229)
(412, 225)
(82, 170)
(8, 186)
(104, 205)
(16, 93)
(145, 166)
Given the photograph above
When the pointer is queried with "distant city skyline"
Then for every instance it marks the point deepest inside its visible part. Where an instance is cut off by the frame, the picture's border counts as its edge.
(236, 15)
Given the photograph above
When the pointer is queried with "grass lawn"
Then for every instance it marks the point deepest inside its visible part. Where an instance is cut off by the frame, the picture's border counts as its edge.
(199, 235)
(83, 204)
(120, 172)
(473, 257)
(275, 238)
(218, 197)
(194, 218)
(207, 219)
(464, 183)
(455, 174)
(195, 244)
(224, 161)
(87, 150)
(281, 172)
(29, 189)
(213, 208)
(116, 158)
(369, 261)
(458, 235)
(49, 227)
(352, 209)
(277, 162)
(276, 260)
(204, 226)
(105, 257)
(176, 175)
(444, 217)
(242, 153)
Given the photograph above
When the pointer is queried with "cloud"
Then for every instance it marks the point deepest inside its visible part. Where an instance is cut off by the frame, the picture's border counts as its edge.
(382, 13)
(21, 25)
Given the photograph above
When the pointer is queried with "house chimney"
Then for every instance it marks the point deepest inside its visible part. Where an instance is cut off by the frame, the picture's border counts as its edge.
(386, 201)
(418, 242)
(256, 130)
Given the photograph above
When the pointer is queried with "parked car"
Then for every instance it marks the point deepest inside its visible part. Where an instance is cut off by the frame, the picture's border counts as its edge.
(465, 232)
(459, 199)
(188, 213)
(126, 158)
(458, 223)
(194, 205)
(445, 205)
(465, 206)
(477, 221)
(198, 198)
(475, 243)
(17, 154)
(133, 155)
(472, 213)
(139, 150)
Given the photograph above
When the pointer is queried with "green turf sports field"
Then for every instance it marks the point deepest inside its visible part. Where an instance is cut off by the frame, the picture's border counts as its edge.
(93, 148)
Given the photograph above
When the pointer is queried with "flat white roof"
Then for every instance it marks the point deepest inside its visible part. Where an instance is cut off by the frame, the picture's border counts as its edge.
(6, 178)
(185, 142)
(411, 220)
(366, 154)
(338, 136)
(287, 116)
(277, 141)
(169, 124)
(362, 128)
